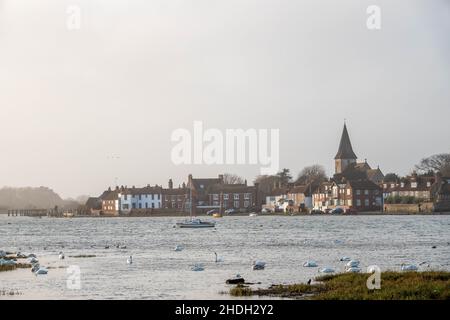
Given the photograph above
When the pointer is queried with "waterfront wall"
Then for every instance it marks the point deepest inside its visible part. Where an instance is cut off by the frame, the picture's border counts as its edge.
(409, 208)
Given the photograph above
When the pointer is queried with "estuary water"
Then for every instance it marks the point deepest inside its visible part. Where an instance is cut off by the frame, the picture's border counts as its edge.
(159, 272)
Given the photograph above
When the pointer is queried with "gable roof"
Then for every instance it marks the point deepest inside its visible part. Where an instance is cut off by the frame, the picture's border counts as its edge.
(345, 147)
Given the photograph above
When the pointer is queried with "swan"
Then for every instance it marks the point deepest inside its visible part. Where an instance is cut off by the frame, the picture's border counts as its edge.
(352, 264)
(409, 267)
(130, 260)
(353, 269)
(41, 270)
(197, 267)
(178, 248)
(259, 265)
(218, 259)
(310, 264)
(33, 260)
(35, 268)
(345, 259)
(326, 270)
(61, 256)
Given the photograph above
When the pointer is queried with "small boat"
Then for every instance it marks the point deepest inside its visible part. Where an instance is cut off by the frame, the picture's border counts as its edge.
(130, 260)
(236, 280)
(217, 215)
(253, 215)
(258, 265)
(61, 256)
(345, 259)
(195, 223)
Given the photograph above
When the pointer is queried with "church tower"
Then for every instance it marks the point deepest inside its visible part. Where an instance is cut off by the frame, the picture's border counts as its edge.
(345, 154)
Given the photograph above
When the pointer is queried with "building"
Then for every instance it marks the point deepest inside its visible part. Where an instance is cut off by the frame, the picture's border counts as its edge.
(419, 187)
(213, 193)
(93, 206)
(139, 198)
(110, 203)
(176, 198)
(353, 185)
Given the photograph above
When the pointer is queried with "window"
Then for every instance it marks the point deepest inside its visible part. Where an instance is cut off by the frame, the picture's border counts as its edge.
(366, 202)
(225, 196)
(134, 205)
(349, 202)
(385, 185)
(413, 184)
(246, 203)
(125, 207)
(247, 196)
(126, 197)
(236, 204)
(146, 205)
(358, 192)
(358, 202)
(215, 196)
(392, 185)
(153, 205)
(215, 203)
(402, 185)
(428, 184)
(140, 205)
(236, 196)
(349, 191)
(366, 192)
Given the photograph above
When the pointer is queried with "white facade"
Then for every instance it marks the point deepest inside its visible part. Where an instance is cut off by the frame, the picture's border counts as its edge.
(139, 200)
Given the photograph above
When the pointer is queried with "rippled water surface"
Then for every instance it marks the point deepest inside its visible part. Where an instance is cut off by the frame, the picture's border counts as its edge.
(158, 272)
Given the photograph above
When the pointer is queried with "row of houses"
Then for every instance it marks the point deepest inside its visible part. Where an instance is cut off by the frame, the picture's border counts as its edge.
(206, 194)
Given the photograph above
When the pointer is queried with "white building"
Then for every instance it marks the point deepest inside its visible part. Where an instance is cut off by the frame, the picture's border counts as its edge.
(140, 198)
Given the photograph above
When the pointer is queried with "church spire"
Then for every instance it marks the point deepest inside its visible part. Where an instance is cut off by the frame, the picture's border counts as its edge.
(345, 147)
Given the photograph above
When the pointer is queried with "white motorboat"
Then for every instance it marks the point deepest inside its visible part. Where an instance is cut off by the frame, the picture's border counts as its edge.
(258, 265)
(195, 223)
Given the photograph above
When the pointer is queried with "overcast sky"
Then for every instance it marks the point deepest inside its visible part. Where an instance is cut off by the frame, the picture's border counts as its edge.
(81, 109)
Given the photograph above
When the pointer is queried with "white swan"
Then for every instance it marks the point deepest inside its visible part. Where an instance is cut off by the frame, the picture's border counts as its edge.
(61, 256)
(258, 265)
(197, 267)
(353, 269)
(326, 270)
(130, 260)
(310, 264)
(218, 259)
(178, 248)
(345, 259)
(409, 267)
(352, 264)
(41, 270)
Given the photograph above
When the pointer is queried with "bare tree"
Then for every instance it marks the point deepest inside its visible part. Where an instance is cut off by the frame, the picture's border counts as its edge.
(436, 163)
(314, 173)
(229, 178)
(267, 183)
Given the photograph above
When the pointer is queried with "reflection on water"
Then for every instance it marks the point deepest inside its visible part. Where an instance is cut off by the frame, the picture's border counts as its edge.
(159, 272)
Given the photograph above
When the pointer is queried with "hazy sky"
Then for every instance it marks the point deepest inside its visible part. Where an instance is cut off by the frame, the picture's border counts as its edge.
(82, 108)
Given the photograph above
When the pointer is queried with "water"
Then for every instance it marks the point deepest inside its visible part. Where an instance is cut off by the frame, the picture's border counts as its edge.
(158, 272)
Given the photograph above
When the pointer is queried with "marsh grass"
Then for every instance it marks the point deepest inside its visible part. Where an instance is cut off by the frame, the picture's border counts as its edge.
(14, 266)
(430, 285)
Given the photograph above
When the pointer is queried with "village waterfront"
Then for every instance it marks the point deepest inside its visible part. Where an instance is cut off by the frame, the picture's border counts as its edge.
(99, 248)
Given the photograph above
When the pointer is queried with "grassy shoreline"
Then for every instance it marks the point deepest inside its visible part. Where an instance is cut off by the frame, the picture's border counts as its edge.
(431, 285)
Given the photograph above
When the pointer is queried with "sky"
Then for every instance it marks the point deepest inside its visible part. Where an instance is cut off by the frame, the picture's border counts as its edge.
(84, 109)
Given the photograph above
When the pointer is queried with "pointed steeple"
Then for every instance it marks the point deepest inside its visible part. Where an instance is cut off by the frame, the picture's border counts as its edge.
(345, 147)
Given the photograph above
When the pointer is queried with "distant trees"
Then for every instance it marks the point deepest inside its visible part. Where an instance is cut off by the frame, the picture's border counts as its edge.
(230, 178)
(267, 182)
(391, 177)
(314, 173)
(436, 163)
(284, 177)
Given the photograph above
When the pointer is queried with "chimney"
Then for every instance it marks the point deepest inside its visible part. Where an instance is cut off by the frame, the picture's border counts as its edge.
(221, 178)
(184, 185)
(170, 184)
(245, 182)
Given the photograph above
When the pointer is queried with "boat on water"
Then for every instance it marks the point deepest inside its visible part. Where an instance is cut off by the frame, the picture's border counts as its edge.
(217, 215)
(253, 215)
(195, 223)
